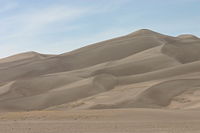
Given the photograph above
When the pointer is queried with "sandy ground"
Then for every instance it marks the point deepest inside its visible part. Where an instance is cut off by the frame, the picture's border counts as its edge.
(99, 127)
(101, 121)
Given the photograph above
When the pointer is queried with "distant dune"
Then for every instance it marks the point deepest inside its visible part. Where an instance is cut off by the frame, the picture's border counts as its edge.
(144, 69)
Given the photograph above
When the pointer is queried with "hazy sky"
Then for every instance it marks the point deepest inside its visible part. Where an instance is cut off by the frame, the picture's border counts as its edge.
(57, 26)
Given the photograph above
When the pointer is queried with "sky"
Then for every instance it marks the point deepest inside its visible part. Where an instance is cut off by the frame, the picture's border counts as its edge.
(59, 26)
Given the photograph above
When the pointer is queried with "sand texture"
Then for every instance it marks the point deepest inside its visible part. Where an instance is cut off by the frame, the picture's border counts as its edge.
(144, 73)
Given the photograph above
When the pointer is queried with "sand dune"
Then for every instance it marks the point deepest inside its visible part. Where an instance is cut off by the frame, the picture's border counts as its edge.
(144, 69)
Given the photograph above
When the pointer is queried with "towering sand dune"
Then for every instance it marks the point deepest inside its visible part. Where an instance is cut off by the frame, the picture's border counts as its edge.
(144, 69)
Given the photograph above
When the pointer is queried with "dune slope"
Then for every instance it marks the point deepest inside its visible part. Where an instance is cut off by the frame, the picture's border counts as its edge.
(144, 69)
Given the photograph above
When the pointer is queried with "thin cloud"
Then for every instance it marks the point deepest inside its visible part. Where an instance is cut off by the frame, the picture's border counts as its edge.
(34, 22)
(23, 29)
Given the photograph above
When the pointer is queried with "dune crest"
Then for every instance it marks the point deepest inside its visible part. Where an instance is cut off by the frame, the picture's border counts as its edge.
(144, 69)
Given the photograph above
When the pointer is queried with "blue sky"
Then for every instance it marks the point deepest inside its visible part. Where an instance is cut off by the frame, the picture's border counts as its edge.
(58, 26)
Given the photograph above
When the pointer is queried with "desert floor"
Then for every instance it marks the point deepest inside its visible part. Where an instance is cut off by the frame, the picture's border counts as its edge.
(102, 121)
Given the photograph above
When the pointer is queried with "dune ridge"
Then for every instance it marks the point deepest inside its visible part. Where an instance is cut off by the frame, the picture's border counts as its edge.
(144, 69)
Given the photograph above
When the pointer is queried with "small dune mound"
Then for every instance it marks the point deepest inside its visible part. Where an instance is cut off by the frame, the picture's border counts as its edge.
(23, 56)
(187, 36)
(145, 32)
(160, 95)
(105, 82)
(183, 51)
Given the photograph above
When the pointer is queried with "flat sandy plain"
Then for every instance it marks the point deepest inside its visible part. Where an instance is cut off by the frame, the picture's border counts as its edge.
(101, 121)
(144, 82)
